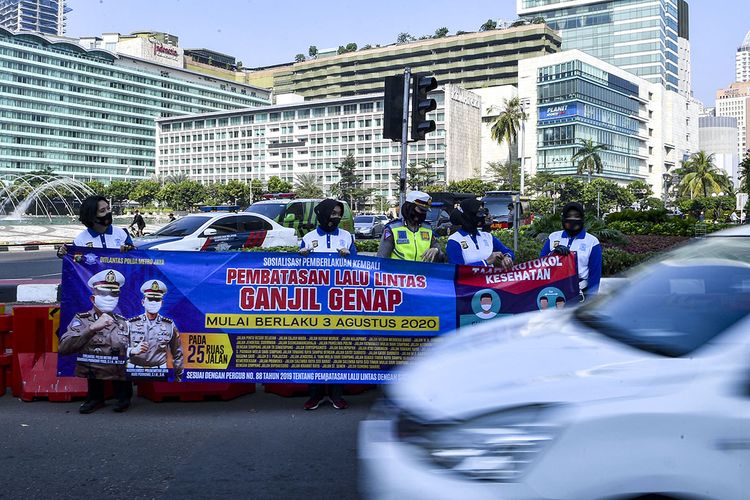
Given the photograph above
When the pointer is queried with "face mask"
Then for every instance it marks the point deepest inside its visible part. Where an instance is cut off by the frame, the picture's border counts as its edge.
(486, 307)
(105, 303)
(417, 217)
(573, 226)
(152, 307)
(333, 222)
(106, 220)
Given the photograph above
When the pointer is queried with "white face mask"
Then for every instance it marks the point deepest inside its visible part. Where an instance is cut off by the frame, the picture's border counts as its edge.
(105, 303)
(152, 307)
(486, 307)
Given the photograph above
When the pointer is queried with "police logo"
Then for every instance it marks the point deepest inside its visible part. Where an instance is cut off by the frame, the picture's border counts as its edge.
(77, 257)
(90, 244)
(342, 243)
(154, 286)
(464, 245)
(315, 244)
(425, 235)
(555, 243)
(90, 259)
(582, 247)
(110, 277)
(402, 237)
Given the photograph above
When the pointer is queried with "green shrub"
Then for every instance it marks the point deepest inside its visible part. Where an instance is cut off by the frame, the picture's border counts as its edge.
(367, 245)
(653, 216)
(615, 261)
(271, 249)
(528, 248)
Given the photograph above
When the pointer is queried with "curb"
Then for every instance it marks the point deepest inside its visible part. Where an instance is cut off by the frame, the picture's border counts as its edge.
(39, 293)
(27, 247)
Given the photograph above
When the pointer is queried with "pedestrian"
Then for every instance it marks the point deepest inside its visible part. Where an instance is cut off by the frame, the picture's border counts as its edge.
(171, 217)
(410, 237)
(96, 215)
(153, 335)
(734, 218)
(574, 238)
(139, 223)
(327, 237)
(472, 246)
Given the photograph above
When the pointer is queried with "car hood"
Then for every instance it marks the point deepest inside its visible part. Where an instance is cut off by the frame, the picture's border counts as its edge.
(146, 242)
(366, 225)
(541, 357)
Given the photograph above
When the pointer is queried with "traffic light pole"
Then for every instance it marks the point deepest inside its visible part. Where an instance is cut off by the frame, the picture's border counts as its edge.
(404, 138)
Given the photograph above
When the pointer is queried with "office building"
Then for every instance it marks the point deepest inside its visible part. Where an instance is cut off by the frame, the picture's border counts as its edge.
(718, 136)
(42, 16)
(742, 61)
(314, 137)
(89, 113)
(735, 102)
(572, 96)
(472, 60)
(649, 38)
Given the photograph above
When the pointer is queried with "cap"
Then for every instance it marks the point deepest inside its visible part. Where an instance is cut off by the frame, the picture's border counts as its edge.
(109, 279)
(420, 199)
(153, 288)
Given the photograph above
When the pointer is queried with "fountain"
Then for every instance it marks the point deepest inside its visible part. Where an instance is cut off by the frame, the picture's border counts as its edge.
(42, 195)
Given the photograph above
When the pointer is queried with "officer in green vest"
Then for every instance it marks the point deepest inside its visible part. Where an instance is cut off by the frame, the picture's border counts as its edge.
(410, 238)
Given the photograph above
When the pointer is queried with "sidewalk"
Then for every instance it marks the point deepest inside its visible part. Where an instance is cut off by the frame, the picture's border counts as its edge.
(12, 233)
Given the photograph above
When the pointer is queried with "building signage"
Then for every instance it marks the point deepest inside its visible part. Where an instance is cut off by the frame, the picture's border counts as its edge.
(558, 111)
(464, 97)
(165, 51)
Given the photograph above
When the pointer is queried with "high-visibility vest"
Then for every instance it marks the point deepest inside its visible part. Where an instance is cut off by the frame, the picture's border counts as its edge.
(409, 245)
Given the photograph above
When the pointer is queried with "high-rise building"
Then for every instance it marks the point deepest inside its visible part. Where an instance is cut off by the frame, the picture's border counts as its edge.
(735, 102)
(718, 136)
(742, 61)
(42, 16)
(89, 114)
(649, 38)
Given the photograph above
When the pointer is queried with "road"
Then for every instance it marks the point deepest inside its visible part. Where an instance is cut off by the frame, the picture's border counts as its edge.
(259, 446)
(39, 264)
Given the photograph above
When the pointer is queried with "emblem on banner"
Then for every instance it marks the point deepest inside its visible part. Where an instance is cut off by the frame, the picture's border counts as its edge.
(90, 259)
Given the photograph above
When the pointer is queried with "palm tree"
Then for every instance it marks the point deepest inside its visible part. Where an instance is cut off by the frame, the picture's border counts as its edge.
(506, 125)
(308, 186)
(588, 157)
(702, 177)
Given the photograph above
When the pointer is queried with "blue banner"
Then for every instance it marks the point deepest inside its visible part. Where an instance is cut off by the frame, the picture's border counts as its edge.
(557, 111)
(274, 317)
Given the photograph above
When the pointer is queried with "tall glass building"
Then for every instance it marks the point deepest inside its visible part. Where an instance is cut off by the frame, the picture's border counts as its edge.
(644, 37)
(89, 114)
(42, 16)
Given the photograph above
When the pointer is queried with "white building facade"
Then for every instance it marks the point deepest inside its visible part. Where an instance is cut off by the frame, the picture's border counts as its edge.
(718, 136)
(735, 102)
(742, 61)
(314, 137)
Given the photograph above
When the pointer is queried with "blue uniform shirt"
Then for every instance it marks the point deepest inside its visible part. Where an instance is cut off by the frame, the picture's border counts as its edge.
(589, 254)
(473, 250)
(113, 237)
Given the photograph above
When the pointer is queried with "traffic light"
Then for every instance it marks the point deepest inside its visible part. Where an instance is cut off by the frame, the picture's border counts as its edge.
(393, 107)
(421, 105)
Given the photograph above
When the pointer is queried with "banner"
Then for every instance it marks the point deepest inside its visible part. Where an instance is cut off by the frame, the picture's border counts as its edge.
(272, 317)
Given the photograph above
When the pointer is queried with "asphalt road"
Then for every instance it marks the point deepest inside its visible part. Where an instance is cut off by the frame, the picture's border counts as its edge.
(259, 446)
(39, 264)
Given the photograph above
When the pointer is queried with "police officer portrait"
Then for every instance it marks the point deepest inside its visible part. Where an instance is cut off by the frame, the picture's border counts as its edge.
(154, 338)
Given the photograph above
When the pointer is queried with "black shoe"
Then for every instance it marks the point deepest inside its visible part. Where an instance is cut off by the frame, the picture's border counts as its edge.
(90, 406)
(121, 406)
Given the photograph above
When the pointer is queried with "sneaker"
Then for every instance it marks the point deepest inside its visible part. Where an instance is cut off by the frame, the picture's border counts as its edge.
(340, 404)
(121, 406)
(312, 403)
(90, 406)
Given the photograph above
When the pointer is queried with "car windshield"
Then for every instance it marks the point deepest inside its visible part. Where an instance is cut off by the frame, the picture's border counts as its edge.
(679, 304)
(434, 213)
(364, 219)
(498, 207)
(183, 226)
(271, 210)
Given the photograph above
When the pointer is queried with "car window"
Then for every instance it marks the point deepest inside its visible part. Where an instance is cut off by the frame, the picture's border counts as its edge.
(248, 223)
(675, 306)
(296, 209)
(225, 225)
(183, 226)
(363, 219)
(270, 210)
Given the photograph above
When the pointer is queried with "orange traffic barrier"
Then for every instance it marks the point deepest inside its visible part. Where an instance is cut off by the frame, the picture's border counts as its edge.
(5, 356)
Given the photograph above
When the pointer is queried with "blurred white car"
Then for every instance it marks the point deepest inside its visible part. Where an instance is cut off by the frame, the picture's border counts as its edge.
(218, 232)
(644, 391)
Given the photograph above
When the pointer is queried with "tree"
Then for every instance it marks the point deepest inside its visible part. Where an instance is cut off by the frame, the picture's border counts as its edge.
(743, 171)
(235, 192)
(349, 187)
(308, 186)
(475, 186)
(506, 125)
(569, 189)
(702, 177)
(440, 32)
(276, 185)
(366, 47)
(256, 188)
(97, 187)
(351, 47)
(145, 191)
(182, 195)
(418, 175)
(119, 191)
(602, 196)
(404, 38)
(299, 58)
(587, 157)
(507, 175)
(537, 20)
(313, 51)
(488, 25)
(641, 192)
(519, 22)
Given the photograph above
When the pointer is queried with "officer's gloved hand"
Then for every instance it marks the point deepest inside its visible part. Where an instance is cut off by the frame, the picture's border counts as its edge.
(561, 250)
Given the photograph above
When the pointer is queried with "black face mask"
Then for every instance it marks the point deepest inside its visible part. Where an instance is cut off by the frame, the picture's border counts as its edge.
(479, 220)
(333, 221)
(573, 226)
(106, 220)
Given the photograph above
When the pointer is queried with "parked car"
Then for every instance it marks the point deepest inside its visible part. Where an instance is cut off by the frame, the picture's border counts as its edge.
(297, 214)
(218, 232)
(643, 391)
(368, 226)
(439, 218)
(497, 202)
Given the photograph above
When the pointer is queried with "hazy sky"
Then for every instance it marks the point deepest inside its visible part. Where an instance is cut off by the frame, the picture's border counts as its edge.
(261, 33)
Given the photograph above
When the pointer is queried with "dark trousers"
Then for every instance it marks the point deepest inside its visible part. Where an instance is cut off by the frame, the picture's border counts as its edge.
(335, 391)
(123, 390)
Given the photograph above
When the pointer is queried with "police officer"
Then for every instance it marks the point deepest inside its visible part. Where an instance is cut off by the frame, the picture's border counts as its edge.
(100, 338)
(574, 238)
(151, 334)
(328, 238)
(410, 238)
(472, 246)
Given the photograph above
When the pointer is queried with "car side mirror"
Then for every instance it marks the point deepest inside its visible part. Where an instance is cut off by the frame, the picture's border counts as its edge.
(289, 218)
(210, 232)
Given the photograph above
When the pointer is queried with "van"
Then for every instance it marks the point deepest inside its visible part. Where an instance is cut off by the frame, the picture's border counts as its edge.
(298, 214)
(497, 203)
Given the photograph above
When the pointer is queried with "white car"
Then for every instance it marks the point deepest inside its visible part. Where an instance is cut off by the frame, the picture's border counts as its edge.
(641, 393)
(218, 232)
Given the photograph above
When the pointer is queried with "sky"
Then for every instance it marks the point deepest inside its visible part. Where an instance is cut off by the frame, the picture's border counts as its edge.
(261, 33)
